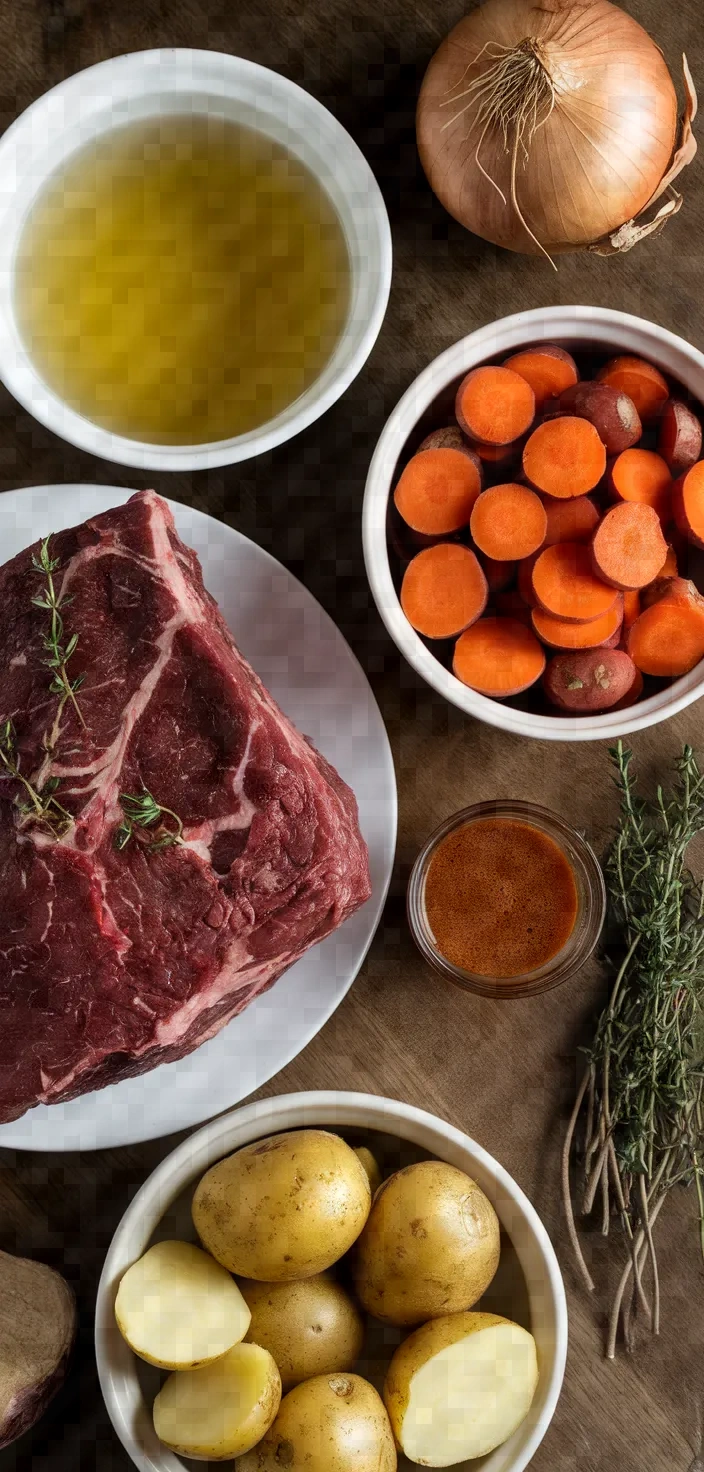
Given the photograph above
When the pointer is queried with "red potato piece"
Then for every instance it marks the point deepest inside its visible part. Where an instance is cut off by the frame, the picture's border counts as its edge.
(590, 680)
(643, 477)
(668, 638)
(565, 584)
(437, 490)
(443, 590)
(564, 457)
(642, 381)
(548, 369)
(680, 438)
(628, 547)
(632, 696)
(613, 414)
(594, 633)
(570, 521)
(499, 574)
(494, 405)
(498, 657)
(508, 522)
(688, 504)
(448, 438)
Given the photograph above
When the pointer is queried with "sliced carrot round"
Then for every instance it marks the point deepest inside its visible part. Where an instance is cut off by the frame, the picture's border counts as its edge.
(668, 638)
(570, 521)
(498, 657)
(631, 609)
(508, 522)
(628, 547)
(564, 457)
(565, 584)
(593, 633)
(642, 381)
(644, 477)
(443, 590)
(688, 504)
(548, 369)
(437, 491)
(494, 405)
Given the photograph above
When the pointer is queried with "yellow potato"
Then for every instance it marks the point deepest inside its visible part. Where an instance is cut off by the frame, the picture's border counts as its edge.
(311, 1327)
(333, 1423)
(178, 1308)
(430, 1246)
(371, 1166)
(460, 1386)
(220, 1410)
(283, 1208)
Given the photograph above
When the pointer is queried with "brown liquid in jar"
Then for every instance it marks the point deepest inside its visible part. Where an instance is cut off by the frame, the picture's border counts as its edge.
(500, 897)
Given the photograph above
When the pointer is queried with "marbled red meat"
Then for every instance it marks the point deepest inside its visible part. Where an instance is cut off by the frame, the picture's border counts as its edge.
(115, 960)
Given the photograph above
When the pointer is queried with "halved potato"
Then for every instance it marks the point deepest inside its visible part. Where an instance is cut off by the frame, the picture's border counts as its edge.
(283, 1208)
(222, 1409)
(430, 1246)
(178, 1308)
(460, 1386)
(332, 1423)
(311, 1327)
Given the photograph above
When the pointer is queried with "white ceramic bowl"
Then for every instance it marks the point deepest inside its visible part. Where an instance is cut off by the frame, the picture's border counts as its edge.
(588, 327)
(149, 84)
(128, 1386)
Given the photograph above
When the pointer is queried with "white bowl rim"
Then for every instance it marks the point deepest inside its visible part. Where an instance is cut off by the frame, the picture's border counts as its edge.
(290, 1111)
(562, 323)
(25, 383)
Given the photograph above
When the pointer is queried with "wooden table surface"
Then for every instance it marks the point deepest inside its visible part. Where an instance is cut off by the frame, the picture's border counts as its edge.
(503, 1072)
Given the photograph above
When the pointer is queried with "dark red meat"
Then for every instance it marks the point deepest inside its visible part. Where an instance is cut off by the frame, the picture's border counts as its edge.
(111, 961)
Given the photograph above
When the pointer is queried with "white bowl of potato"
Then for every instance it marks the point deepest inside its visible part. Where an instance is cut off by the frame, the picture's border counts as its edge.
(265, 1300)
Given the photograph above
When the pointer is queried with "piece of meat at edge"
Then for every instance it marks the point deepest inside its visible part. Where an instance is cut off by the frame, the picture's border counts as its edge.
(113, 961)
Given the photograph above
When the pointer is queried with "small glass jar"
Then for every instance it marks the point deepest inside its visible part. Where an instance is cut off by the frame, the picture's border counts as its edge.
(591, 902)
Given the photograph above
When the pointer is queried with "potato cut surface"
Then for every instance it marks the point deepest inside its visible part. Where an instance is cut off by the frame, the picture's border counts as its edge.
(178, 1308)
(469, 1397)
(220, 1410)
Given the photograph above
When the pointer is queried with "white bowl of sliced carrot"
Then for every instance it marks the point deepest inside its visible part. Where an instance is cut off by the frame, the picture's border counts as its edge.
(534, 524)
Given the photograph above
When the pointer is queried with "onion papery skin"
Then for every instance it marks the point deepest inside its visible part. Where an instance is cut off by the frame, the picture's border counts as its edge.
(592, 165)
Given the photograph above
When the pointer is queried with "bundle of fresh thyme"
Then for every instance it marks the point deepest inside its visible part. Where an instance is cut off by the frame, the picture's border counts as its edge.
(642, 1096)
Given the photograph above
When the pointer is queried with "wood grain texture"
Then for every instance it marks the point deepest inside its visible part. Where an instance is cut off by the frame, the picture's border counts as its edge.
(503, 1072)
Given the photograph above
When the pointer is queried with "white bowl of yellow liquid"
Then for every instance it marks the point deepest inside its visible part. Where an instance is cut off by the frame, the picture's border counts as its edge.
(195, 259)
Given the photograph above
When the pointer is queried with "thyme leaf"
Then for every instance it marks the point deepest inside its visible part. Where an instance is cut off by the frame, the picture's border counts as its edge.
(642, 1097)
(143, 811)
(58, 653)
(35, 804)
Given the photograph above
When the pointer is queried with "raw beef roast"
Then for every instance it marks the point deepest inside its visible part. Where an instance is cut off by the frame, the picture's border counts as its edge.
(114, 959)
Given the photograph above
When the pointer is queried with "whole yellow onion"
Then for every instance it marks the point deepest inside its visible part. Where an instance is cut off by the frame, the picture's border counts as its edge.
(550, 125)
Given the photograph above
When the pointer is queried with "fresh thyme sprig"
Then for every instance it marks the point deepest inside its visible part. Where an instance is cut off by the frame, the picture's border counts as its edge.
(59, 655)
(642, 1095)
(143, 811)
(41, 806)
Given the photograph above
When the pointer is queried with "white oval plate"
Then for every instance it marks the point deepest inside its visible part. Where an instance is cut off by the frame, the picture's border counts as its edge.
(310, 669)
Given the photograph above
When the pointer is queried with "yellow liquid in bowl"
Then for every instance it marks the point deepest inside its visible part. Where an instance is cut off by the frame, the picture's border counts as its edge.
(181, 280)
